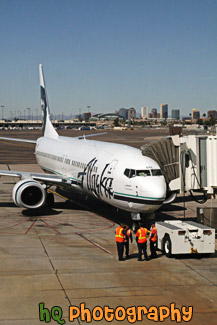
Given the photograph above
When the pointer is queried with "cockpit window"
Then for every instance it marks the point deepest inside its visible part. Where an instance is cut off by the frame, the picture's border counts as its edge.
(156, 172)
(132, 172)
(143, 172)
(127, 172)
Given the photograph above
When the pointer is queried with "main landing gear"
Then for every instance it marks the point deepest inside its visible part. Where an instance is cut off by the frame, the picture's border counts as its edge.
(50, 200)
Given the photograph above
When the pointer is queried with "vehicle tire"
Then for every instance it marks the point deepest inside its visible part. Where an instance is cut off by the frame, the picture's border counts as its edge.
(135, 227)
(50, 200)
(167, 246)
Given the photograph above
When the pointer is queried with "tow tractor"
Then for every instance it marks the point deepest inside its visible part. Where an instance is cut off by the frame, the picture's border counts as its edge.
(184, 237)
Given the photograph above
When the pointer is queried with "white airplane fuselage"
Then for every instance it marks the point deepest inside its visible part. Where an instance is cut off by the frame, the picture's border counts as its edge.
(114, 173)
(117, 174)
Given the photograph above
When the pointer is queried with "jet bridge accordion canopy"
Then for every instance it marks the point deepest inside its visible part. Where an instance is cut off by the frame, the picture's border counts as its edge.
(166, 154)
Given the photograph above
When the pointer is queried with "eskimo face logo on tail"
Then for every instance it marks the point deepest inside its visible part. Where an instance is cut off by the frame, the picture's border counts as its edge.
(43, 106)
(98, 184)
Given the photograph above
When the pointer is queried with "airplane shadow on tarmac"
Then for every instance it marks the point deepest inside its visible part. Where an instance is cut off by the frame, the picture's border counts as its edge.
(40, 212)
(76, 201)
(80, 202)
(88, 203)
(7, 205)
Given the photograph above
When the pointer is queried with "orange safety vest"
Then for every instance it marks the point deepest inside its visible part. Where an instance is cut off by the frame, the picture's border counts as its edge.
(154, 232)
(119, 236)
(128, 236)
(141, 234)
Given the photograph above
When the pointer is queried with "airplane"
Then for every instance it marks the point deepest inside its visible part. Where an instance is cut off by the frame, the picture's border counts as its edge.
(114, 173)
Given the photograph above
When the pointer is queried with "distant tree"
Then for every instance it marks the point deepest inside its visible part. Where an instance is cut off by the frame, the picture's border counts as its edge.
(204, 114)
(207, 122)
(164, 122)
(212, 121)
(199, 121)
(116, 122)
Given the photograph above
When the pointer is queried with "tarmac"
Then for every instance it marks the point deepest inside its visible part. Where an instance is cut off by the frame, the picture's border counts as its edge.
(67, 256)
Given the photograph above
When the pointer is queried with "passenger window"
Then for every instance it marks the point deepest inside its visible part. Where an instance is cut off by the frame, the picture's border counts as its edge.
(143, 173)
(132, 173)
(156, 172)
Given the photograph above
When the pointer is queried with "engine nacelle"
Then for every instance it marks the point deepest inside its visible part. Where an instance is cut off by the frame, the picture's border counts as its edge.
(171, 196)
(29, 194)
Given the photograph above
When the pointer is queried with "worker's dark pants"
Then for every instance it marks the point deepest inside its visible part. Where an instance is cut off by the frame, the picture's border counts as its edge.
(142, 247)
(120, 248)
(153, 248)
(126, 245)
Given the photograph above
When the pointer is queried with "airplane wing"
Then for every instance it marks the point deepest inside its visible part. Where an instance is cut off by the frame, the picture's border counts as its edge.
(19, 140)
(89, 135)
(45, 178)
(35, 141)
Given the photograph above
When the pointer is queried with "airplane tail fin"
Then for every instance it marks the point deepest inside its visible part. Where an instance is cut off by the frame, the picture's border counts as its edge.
(47, 127)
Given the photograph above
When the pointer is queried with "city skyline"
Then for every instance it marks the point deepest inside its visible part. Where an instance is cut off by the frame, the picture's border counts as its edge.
(143, 113)
(108, 54)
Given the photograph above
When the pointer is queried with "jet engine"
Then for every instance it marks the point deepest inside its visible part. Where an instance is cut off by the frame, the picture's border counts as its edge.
(29, 194)
(171, 196)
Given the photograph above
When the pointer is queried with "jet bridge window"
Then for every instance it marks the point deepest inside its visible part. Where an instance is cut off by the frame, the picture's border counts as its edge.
(156, 172)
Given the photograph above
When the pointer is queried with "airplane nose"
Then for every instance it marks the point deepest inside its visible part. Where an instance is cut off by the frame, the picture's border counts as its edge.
(154, 188)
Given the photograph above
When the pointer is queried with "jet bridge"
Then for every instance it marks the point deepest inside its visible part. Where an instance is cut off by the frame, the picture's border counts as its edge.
(188, 162)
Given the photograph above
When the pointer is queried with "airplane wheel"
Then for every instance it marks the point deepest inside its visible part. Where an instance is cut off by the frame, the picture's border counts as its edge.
(135, 227)
(50, 200)
(167, 246)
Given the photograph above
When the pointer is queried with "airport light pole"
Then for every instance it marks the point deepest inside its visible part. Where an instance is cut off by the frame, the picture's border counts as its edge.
(2, 106)
(28, 109)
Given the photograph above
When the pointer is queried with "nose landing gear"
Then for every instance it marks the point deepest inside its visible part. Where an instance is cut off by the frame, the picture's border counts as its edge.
(136, 217)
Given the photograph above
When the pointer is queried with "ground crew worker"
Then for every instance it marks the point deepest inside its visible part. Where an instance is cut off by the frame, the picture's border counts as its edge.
(120, 235)
(153, 240)
(141, 238)
(127, 239)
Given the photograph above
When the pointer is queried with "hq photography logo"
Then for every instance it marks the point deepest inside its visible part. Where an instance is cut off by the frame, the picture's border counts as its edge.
(130, 314)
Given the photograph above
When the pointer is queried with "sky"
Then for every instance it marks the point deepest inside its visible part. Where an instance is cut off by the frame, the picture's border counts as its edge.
(108, 54)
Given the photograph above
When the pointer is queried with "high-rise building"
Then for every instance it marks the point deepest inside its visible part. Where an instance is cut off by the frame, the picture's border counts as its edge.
(144, 112)
(131, 113)
(163, 110)
(195, 113)
(176, 114)
(123, 112)
(87, 116)
(212, 113)
(153, 113)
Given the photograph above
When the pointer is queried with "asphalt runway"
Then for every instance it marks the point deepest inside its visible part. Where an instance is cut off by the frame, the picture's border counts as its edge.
(67, 256)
